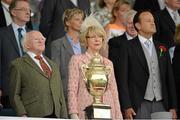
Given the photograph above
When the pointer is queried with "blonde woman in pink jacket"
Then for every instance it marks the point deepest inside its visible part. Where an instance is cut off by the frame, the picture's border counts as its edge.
(92, 37)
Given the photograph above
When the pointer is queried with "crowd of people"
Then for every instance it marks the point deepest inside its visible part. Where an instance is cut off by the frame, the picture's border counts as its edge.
(41, 70)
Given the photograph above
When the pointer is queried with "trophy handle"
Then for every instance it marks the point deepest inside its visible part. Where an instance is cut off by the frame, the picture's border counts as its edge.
(84, 68)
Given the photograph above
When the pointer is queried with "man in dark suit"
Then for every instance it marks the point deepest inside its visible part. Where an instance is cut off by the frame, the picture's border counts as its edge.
(35, 88)
(5, 17)
(166, 23)
(51, 24)
(146, 81)
(116, 43)
(10, 43)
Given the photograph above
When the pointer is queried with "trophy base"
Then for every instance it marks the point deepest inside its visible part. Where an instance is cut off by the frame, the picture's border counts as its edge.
(98, 111)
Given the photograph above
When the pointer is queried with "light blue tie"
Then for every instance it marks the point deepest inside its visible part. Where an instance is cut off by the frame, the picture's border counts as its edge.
(147, 43)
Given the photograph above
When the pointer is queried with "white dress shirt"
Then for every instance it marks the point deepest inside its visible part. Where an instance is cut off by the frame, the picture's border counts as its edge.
(32, 55)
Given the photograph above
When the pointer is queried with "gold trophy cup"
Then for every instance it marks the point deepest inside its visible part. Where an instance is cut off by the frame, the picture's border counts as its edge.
(96, 78)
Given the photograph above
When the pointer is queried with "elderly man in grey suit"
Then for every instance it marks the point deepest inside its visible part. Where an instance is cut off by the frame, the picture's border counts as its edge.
(62, 49)
(35, 88)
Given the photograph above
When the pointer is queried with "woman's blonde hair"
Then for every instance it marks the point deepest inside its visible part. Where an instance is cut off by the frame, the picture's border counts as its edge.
(116, 7)
(177, 34)
(91, 30)
(69, 14)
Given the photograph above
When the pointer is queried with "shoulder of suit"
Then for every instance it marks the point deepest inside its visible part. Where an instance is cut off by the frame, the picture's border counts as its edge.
(58, 41)
(115, 40)
(17, 61)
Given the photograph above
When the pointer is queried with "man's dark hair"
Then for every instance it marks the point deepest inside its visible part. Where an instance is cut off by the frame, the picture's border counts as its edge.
(136, 17)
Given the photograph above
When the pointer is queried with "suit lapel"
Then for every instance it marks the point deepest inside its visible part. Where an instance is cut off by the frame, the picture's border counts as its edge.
(29, 61)
(13, 38)
(140, 53)
(156, 44)
(169, 20)
(68, 46)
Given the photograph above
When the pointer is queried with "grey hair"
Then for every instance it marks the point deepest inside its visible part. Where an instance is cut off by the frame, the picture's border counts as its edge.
(128, 15)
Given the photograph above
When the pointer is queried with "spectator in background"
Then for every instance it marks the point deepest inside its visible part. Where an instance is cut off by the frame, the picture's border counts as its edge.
(92, 36)
(5, 17)
(115, 27)
(35, 87)
(51, 24)
(166, 21)
(147, 82)
(176, 66)
(117, 44)
(11, 43)
(103, 14)
(63, 48)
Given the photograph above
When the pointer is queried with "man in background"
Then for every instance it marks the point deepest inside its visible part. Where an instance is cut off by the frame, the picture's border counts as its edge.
(11, 43)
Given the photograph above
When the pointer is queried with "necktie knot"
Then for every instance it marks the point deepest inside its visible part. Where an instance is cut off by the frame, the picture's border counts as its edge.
(147, 43)
(38, 57)
(20, 30)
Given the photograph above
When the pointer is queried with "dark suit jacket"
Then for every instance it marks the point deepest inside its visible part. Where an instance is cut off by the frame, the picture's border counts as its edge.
(8, 52)
(3, 19)
(116, 46)
(31, 92)
(61, 53)
(51, 24)
(176, 70)
(133, 74)
(152, 5)
(165, 27)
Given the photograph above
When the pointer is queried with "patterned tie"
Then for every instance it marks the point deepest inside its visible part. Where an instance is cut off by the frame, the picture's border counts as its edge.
(147, 43)
(20, 41)
(44, 66)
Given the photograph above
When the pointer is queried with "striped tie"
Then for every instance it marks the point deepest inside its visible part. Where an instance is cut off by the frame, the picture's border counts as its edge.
(44, 66)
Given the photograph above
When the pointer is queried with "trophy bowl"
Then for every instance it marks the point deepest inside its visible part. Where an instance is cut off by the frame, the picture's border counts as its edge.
(96, 78)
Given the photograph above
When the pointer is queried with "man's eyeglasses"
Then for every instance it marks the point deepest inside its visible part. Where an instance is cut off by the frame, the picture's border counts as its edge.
(23, 9)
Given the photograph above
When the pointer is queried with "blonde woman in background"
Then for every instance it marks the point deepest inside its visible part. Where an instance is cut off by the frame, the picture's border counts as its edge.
(115, 27)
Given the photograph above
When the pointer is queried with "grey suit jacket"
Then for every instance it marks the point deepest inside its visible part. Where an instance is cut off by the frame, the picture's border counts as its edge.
(32, 93)
(61, 53)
